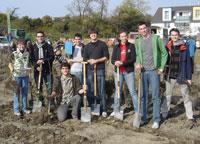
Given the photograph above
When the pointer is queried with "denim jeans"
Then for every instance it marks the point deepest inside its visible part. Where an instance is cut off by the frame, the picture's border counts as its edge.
(22, 83)
(100, 98)
(151, 78)
(79, 75)
(130, 81)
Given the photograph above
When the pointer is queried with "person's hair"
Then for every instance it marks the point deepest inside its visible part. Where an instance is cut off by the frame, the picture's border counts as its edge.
(143, 23)
(174, 30)
(122, 31)
(78, 35)
(40, 32)
(21, 41)
(93, 30)
(65, 64)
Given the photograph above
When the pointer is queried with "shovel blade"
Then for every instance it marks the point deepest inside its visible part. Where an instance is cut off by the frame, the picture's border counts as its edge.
(119, 114)
(96, 109)
(37, 106)
(86, 114)
(137, 120)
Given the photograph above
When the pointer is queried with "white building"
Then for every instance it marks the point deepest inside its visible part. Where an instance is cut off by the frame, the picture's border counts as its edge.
(185, 18)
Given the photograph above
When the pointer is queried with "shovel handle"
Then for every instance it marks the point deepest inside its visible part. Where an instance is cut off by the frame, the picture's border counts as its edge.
(118, 83)
(139, 91)
(95, 80)
(40, 76)
(84, 82)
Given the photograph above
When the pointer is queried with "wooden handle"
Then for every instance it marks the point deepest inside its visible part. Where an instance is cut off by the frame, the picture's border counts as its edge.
(118, 83)
(95, 80)
(84, 83)
(40, 76)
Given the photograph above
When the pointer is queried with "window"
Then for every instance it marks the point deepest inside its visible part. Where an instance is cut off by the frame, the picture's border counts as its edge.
(196, 13)
(167, 14)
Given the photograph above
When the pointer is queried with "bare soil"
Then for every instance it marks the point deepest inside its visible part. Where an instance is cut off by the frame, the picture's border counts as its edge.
(39, 128)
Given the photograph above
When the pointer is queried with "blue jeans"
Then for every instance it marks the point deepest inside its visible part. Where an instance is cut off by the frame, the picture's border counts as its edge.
(22, 83)
(151, 78)
(100, 98)
(130, 81)
(79, 75)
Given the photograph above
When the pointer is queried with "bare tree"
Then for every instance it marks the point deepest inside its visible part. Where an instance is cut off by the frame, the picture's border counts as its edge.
(103, 7)
(142, 6)
(80, 7)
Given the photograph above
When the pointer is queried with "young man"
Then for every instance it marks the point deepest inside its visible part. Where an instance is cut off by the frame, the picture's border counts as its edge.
(69, 89)
(124, 57)
(42, 54)
(18, 65)
(96, 53)
(151, 59)
(178, 72)
(76, 58)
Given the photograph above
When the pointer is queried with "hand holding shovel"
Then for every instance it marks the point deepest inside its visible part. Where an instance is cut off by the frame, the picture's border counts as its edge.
(85, 111)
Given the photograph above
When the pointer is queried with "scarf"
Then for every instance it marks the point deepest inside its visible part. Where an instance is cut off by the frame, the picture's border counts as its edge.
(179, 43)
(40, 47)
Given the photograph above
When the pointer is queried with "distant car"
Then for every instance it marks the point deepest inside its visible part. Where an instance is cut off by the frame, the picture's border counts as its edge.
(4, 42)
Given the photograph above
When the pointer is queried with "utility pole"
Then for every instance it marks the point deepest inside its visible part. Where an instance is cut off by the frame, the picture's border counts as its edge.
(9, 25)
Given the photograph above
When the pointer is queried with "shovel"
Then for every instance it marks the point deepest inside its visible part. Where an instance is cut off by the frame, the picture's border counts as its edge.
(85, 111)
(119, 114)
(96, 107)
(137, 119)
(37, 105)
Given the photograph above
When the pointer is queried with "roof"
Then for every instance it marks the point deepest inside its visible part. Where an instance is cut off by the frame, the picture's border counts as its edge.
(157, 18)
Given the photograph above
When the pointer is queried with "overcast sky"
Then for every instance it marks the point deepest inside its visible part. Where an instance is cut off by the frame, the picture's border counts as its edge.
(56, 8)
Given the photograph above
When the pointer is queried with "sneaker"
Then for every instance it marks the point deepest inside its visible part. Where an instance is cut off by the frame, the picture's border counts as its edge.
(17, 113)
(27, 111)
(112, 114)
(104, 114)
(155, 125)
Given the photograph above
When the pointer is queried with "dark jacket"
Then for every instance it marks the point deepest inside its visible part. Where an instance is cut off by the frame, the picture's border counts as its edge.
(57, 86)
(48, 58)
(184, 65)
(130, 56)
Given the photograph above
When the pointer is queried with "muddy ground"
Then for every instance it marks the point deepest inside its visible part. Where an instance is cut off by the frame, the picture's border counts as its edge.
(39, 128)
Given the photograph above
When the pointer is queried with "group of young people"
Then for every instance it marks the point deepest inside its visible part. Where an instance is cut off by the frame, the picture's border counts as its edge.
(147, 55)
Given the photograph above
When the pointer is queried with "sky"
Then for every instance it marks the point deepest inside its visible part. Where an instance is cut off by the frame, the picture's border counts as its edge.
(58, 8)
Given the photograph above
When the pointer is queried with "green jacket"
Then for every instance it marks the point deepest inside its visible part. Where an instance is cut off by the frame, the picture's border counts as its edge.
(159, 52)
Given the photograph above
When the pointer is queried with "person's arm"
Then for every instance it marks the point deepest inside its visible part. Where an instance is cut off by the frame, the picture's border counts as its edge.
(11, 61)
(138, 63)
(77, 85)
(188, 67)
(163, 53)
